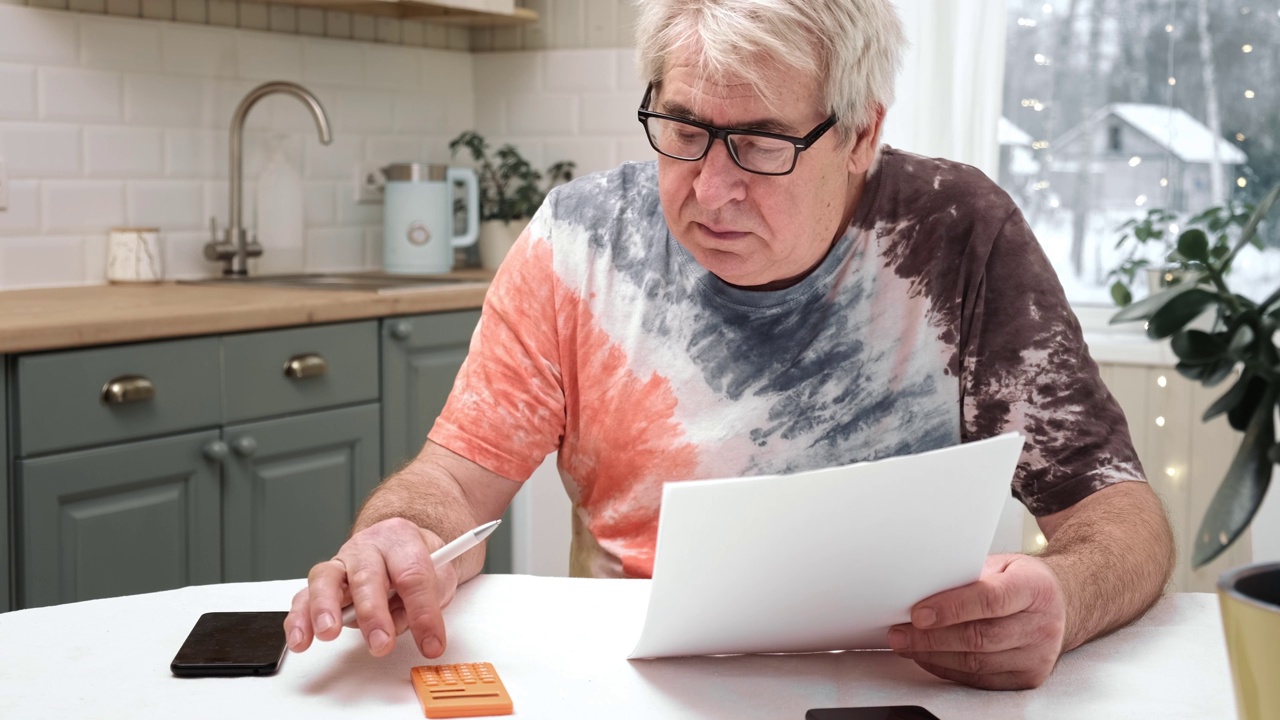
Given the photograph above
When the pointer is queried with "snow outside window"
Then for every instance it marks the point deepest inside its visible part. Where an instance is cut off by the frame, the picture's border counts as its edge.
(1113, 108)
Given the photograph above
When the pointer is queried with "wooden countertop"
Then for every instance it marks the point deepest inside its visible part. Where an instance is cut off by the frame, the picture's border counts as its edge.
(55, 318)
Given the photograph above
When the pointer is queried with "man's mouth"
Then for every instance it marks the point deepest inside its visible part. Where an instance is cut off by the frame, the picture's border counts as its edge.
(724, 233)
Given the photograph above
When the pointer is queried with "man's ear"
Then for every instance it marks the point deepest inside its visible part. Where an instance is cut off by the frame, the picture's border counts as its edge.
(863, 152)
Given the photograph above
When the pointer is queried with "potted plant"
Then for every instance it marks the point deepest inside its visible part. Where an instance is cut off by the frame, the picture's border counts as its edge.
(510, 191)
(1159, 228)
(1243, 334)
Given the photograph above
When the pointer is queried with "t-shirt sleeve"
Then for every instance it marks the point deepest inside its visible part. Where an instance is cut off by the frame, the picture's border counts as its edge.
(506, 411)
(1026, 368)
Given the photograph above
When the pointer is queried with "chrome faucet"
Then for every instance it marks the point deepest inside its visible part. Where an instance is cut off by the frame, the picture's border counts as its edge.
(235, 248)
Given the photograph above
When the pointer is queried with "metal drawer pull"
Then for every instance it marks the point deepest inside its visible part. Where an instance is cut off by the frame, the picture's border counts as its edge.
(306, 366)
(127, 389)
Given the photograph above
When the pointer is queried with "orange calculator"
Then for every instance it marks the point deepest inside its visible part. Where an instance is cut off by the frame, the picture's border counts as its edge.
(460, 690)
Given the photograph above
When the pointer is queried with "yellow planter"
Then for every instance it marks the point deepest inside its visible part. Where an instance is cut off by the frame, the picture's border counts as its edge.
(1250, 602)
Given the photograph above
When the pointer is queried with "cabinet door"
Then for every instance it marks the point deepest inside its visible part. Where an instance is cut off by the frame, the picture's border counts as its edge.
(420, 359)
(4, 486)
(133, 518)
(292, 487)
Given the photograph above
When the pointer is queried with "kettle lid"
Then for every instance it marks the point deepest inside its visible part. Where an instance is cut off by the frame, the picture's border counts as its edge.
(414, 172)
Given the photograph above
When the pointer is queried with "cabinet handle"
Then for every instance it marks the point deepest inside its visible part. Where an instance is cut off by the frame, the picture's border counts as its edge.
(401, 329)
(216, 450)
(244, 446)
(305, 366)
(127, 389)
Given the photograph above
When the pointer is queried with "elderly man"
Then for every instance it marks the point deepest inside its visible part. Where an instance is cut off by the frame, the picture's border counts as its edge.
(777, 293)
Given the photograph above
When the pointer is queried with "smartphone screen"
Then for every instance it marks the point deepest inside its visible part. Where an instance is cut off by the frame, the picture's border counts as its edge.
(232, 643)
(883, 712)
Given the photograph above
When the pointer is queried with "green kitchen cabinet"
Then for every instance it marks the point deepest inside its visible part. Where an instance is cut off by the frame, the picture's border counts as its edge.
(291, 488)
(123, 519)
(421, 356)
(5, 493)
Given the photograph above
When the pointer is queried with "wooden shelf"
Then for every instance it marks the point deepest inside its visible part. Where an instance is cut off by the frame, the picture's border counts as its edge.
(418, 10)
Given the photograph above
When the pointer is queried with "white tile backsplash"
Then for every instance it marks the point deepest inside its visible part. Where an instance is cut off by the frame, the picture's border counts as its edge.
(115, 152)
(81, 206)
(106, 121)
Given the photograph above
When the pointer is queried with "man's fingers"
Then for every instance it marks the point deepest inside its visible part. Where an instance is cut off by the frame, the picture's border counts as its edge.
(984, 636)
(327, 592)
(972, 663)
(994, 596)
(415, 581)
(995, 681)
(297, 624)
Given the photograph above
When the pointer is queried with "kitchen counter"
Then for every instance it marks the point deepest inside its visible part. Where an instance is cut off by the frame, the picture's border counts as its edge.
(56, 318)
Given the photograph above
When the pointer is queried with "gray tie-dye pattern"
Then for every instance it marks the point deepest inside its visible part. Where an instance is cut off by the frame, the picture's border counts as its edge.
(998, 348)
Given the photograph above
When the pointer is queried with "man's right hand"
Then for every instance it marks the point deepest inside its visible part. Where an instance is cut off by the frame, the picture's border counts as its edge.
(392, 554)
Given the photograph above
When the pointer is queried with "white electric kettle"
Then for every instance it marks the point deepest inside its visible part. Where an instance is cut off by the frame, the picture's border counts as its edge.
(417, 221)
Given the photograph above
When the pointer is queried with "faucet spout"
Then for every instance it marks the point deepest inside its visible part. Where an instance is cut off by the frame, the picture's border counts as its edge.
(236, 249)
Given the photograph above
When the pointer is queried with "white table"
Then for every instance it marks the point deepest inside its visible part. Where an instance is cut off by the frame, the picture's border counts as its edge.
(560, 647)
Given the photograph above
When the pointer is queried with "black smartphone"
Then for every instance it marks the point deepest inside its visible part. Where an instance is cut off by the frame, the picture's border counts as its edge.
(882, 712)
(232, 643)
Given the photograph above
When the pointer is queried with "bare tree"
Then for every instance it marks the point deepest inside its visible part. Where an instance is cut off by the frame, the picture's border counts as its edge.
(1217, 184)
(1084, 174)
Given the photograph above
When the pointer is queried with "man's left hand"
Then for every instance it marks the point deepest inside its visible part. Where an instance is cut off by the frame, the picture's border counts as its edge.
(1003, 632)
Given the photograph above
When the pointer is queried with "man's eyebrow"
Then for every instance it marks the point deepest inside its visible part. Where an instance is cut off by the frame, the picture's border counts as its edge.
(771, 126)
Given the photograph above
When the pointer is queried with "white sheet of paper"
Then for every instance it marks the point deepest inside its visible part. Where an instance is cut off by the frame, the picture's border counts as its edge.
(820, 560)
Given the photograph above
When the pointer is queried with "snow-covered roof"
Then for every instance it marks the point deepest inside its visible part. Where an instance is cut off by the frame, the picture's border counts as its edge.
(1172, 128)
(1010, 134)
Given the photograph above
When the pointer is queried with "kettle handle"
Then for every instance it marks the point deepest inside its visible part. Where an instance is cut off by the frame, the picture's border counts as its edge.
(467, 177)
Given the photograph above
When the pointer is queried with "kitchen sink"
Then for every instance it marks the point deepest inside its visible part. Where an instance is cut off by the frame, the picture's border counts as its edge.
(374, 282)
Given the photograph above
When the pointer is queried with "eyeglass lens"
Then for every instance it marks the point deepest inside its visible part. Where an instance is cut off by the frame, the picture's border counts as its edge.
(752, 152)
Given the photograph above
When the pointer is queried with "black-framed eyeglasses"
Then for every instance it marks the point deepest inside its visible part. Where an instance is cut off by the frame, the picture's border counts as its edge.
(756, 151)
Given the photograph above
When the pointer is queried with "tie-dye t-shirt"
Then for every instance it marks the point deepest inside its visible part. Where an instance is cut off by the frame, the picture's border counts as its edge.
(935, 319)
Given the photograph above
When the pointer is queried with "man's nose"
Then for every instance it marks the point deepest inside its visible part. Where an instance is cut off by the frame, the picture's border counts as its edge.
(719, 180)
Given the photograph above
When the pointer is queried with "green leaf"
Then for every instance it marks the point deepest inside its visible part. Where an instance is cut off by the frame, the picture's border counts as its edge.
(1230, 399)
(1241, 492)
(1120, 294)
(1178, 311)
(1194, 245)
(1240, 341)
(1148, 305)
(1251, 227)
(1240, 415)
(1196, 347)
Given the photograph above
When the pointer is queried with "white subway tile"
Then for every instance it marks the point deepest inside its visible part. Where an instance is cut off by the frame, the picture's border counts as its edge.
(506, 38)
(43, 36)
(413, 33)
(217, 205)
(462, 115)
(116, 44)
(166, 204)
(253, 16)
(333, 249)
(542, 114)
(634, 149)
(82, 205)
(157, 9)
(610, 115)
(373, 257)
(626, 23)
(168, 100)
(23, 215)
(44, 150)
(365, 111)
(337, 24)
(589, 155)
(338, 161)
(320, 200)
(459, 39)
(568, 28)
(33, 262)
(391, 67)
(352, 213)
(223, 12)
(447, 73)
(580, 70)
(417, 114)
(268, 56)
(491, 115)
(311, 21)
(191, 11)
(388, 30)
(289, 114)
(124, 8)
(95, 258)
(388, 150)
(482, 40)
(48, 4)
(227, 95)
(198, 51)
(437, 36)
(17, 92)
(629, 73)
(183, 254)
(88, 6)
(196, 154)
(507, 73)
(333, 62)
(435, 150)
(112, 152)
(602, 24)
(284, 19)
(364, 28)
(82, 95)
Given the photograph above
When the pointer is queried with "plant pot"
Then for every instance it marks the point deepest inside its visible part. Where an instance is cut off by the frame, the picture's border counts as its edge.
(1250, 603)
(496, 239)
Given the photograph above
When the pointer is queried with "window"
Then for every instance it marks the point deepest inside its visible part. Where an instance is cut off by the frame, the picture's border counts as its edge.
(1114, 108)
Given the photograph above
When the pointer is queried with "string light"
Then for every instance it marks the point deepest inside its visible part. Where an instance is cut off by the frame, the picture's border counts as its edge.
(1164, 182)
(1170, 472)
(1140, 200)
(1173, 80)
(1162, 381)
(1026, 22)
(1239, 137)
(1047, 8)
(1135, 161)
(1247, 48)
(1173, 228)
(1160, 421)
(1040, 145)
(1041, 541)
(1248, 94)
(1241, 182)
(1168, 28)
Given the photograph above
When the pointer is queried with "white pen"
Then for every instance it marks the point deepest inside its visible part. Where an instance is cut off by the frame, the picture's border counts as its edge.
(439, 559)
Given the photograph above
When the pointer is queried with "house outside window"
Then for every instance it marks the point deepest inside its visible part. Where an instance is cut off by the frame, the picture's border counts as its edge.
(1114, 108)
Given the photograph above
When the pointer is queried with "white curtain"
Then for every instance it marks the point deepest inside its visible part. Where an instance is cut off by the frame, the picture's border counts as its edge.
(950, 89)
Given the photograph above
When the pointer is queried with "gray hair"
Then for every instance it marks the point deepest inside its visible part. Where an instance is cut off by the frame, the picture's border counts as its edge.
(856, 45)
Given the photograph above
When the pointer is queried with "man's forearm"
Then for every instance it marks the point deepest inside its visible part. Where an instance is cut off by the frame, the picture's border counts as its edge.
(424, 494)
(1113, 554)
